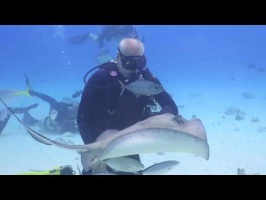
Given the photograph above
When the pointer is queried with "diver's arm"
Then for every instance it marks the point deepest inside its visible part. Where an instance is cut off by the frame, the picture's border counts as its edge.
(86, 107)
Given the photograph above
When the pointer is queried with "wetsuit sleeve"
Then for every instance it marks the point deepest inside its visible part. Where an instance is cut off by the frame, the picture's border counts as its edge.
(164, 99)
(85, 111)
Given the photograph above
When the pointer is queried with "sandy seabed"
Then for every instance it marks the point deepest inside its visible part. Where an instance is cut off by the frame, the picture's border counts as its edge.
(233, 143)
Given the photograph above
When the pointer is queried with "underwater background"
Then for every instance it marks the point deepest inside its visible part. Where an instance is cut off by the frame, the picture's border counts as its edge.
(214, 72)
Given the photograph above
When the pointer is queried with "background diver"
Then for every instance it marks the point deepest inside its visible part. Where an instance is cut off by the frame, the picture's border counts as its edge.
(62, 115)
(108, 33)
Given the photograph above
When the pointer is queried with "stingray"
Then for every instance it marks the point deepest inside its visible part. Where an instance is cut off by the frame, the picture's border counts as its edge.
(160, 133)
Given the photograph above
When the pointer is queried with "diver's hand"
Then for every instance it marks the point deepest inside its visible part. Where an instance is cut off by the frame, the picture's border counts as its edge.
(148, 113)
(143, 72)
(147, 75)
(165, 109)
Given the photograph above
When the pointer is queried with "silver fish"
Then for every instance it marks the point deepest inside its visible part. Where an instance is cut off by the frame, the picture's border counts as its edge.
(156, 169)
(159, 168)
(142, 87)
(124, 164)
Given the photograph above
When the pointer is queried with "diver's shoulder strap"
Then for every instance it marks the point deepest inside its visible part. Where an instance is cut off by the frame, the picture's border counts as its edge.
(111, 69)
(109, 66)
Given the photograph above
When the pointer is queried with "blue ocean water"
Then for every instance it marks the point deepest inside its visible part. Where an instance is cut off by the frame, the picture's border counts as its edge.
(208, 55)
(206, 68)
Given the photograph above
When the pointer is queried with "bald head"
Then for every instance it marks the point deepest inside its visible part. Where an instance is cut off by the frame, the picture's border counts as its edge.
(131, 47)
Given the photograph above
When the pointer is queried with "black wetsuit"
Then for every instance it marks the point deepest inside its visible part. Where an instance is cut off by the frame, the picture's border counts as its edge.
(65, 117)
(103, 108)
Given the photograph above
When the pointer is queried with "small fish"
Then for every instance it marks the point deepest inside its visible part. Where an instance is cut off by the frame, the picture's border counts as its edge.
(124, 164)
(159, 168)
(142, 87)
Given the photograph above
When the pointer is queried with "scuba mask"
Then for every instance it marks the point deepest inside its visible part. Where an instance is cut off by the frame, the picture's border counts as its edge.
(133, 62)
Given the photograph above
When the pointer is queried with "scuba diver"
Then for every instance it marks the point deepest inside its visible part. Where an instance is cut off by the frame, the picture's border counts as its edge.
(116, 32)
(105, 105)
(107, 34)
(62, 115)
(61, 119)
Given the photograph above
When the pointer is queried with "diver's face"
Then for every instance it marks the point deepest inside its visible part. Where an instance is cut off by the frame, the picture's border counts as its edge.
(125, 72)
